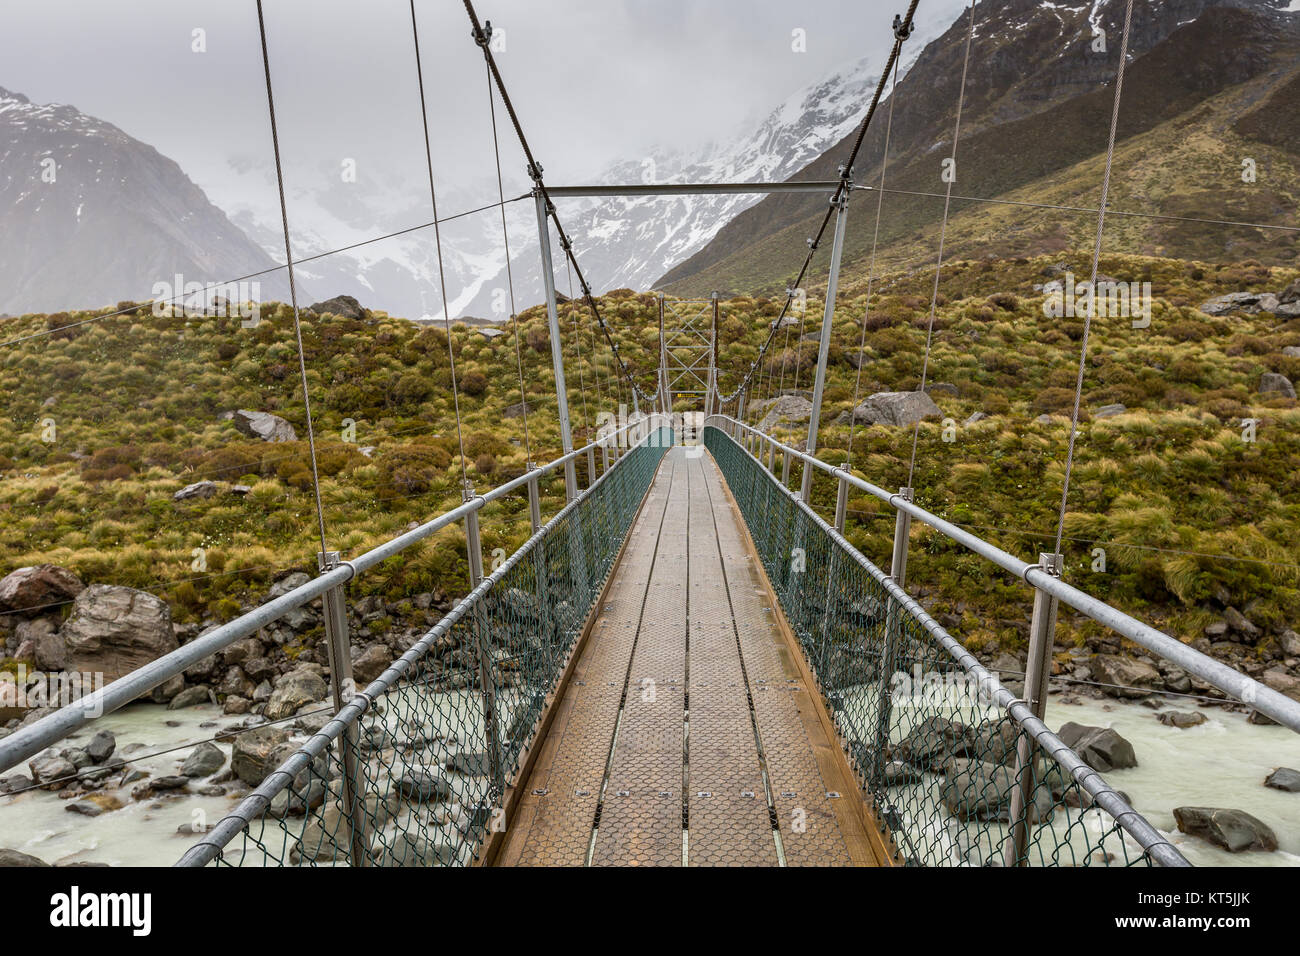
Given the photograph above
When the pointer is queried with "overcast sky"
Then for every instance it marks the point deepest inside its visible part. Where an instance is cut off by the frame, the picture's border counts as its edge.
(594, 80)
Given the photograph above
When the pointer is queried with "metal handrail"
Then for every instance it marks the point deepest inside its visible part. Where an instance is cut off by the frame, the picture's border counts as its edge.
(1235, 684)
(254, 805)
(31, 740)
(1102, 793)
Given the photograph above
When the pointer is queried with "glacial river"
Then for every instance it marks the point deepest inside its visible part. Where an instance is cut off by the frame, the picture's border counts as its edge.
(1221, 763)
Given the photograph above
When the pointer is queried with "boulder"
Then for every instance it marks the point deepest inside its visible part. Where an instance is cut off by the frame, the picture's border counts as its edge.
(423, 787)
(341, 305)
(1130, 677)
(264, 425)
(517, 409)
(1109, 411)
(14, 858)
(1282, 682)
(190, 697)
(34, 588)
(1101, 748)
(1181, 718)
(200, 489)
(203, 761)
(1291, 351)
(294, 579)
(942, 388)
(932, 742)
(1272, 383)
(374, 660)
(974, 790)
(893, 408)
(1290, 294)
(470, 764)
(49, 767)
(791, 408)
(1290, 643)
(115, 629)
(1232, 830)
(250, 756)
(1250, 303)
(48, 650)
(101, 746)
(1284, 778)
(975, 417)
(291, 691)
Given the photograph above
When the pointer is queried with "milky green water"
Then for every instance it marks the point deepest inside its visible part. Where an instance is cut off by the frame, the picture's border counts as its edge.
(1221, 763)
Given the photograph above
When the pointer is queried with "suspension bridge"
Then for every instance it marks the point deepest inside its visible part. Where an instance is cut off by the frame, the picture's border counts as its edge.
(686, 665)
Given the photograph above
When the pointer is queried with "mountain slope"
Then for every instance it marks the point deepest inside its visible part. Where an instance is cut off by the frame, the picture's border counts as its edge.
(1026, 122)
(117, 218)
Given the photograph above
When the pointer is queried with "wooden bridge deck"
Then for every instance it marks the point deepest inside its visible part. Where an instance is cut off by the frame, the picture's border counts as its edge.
(688, 732)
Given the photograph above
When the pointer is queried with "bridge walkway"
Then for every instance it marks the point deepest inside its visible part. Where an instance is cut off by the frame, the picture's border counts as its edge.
(689, 732)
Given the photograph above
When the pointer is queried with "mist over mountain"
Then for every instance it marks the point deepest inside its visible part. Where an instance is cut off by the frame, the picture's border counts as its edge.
(90, 216)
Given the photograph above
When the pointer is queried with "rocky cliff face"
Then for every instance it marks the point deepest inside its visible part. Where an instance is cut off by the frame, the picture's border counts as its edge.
(90, 216)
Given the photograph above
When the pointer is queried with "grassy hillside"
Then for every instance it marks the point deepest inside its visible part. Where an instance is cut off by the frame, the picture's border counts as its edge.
(1167, 488)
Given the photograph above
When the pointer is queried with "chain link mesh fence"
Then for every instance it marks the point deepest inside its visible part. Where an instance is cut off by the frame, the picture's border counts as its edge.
(412, 770)
(960, 774)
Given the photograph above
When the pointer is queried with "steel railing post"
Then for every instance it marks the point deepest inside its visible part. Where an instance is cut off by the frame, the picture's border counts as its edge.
(891, 646)
(771, 458)
(1042, 632)
(534, 498)
(557, 351)
(823, 350)
(343, 688)
(786, 458)
(841, 502)
(487, 678)
(902, 529)
(591, 466)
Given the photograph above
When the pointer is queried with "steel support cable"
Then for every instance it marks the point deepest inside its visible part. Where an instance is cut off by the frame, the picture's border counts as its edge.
(943, 234)
(293, 289)
(437, 236)
(1096, 259)
(217, 286)
(871, 267)
(901, 34)
(577, 349)
(535, 172)
(510, 277)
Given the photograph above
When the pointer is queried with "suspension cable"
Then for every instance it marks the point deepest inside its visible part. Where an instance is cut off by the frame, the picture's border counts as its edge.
(901, 33)
(1096, 259)
(943, 235)
(539, 185)
(577, 348)
(437, 235)
(293, 289)
(871, 267)
(510, 278)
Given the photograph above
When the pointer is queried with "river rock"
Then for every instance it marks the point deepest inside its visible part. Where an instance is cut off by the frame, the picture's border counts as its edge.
(1132, 677)
(1232, 830)
(291, 691)
(50, 767)
(115, 629)
(203, 761)
(1181, 718)
(1289, 641)
(931, 743)
(101, 746)
(974, 790)
(48, 650)
(190, 697)
(15, 858)
(264, 425)
(31, 589)
(893, 408)
(423, 787)
(414, 849)
(294, 579)
(374, 660)
(251, 753)
(1101, 748)
(1284, 778)
(1282, 682)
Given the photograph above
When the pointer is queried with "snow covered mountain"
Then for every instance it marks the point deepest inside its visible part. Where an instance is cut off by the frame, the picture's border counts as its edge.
(90, 216)
(619, 242)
